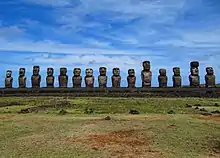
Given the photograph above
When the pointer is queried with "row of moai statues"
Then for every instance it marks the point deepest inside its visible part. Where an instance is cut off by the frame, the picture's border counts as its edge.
(146, 77)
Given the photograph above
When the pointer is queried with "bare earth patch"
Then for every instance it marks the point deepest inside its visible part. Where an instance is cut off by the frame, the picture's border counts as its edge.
(211, 117)
(6, 116)
(129, 144)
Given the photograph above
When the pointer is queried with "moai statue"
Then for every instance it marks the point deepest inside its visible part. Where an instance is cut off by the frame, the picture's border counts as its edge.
(131, 79)
(102, 79)
(162, 78)
(8, 79)
(194, 77)
(50, 78)
(209, 77)
(116, 78)
(22, 78)
(77, 79)
(63, 78)
(36, 77)
(146, 74)
(177, 81)
(89, 78)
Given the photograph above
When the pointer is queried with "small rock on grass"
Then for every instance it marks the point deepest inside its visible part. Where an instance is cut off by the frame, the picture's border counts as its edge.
(134, 112)
(204, 110)
(188, 106)
(215, 112)
(63, 112)
(171, 112)
(197, 105)
(216, 104)
(107, 118)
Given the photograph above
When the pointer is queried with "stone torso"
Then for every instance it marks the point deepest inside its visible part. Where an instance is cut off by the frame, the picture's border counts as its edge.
(162, 81)
(63, 80)
(194, 81)
(177, 81)
(36, 81)
(210, 80)
(8, 82)
(22, 81)
(89, 81)
(50, 81)
(102, 81)
(131, 81)
(116, 81)
(77, 81)
(146, 78)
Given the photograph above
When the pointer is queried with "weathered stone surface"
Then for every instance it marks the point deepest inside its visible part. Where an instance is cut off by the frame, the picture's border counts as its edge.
(63, 78)
(131, 79)
(36, 77)
(8, 79)
(89, 78)
(162, 78)
(177, 81)
(50, 77)
(77, 78)
(102, 78)
(22, 78)
(116, 78)
(210, 77)
(146, 74)
(194, 77)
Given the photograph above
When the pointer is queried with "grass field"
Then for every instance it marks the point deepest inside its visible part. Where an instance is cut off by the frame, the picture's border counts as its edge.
(79, 127)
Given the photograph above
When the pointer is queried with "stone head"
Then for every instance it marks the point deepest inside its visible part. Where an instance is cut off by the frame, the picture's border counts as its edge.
(209, 70)
(146, 65)
(36, 70)
(116, 71)
(162, 72)
(131, 72)
(102, 71)
(21, 71)
(63, 71)
(8, 73)
(176, 71)
(50, 71)
(77, 71)
(194, 64)
(194, 71)
(89, 72)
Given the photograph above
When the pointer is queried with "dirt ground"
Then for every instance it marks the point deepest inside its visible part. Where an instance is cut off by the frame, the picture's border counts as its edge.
(121, 144)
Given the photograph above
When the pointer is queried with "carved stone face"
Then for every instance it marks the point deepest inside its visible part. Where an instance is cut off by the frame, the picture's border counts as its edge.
(63, 71)
(22, 71)
(194, 71)
(36, 70)
(176, 71)
(131, 72)
(8, 73)
(146, 65)
(116, 71)
(162, 72)
(89, 72)
(194, 64)
(50, 71)
(77, 71)
(209, 71)
(102, 71)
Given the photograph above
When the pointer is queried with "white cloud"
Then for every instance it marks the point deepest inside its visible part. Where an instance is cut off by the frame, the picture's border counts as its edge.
(55, 3)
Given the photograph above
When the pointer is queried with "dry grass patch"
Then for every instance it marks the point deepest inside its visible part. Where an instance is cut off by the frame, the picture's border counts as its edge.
(121, 143)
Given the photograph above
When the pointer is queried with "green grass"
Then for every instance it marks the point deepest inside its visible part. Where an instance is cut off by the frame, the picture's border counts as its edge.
(154, 132)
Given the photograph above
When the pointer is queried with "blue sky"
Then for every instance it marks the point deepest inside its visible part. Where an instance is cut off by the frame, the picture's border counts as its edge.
(111, 33)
